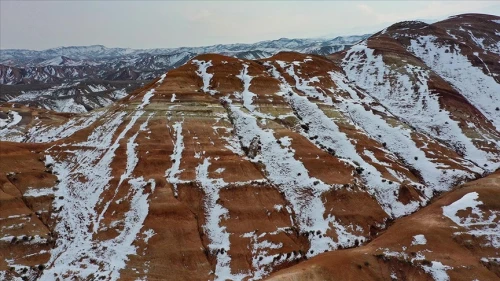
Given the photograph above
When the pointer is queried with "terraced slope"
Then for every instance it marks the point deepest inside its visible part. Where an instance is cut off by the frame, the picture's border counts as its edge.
(232, 169)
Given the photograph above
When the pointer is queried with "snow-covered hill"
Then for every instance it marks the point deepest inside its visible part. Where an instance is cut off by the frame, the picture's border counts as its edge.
(232, 169)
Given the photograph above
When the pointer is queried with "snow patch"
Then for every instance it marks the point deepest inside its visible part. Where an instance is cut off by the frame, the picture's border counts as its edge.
(205, 76)
(437, 270)
(478, 223)
(419, 240)
(172, 174)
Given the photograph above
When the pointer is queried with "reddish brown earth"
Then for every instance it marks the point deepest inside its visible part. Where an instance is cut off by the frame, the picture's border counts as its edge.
(230, 169)
(464, 252)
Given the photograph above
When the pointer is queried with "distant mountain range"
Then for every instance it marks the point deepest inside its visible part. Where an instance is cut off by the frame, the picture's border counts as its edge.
(100, 62)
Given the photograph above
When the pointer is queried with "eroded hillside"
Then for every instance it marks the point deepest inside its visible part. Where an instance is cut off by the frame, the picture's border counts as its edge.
(455, 238)
(233, 169)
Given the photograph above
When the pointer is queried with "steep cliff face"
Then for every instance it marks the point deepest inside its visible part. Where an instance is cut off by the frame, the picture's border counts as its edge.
(232, 169)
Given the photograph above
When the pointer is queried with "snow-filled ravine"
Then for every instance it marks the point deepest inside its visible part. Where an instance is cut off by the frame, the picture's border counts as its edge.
(205, 76)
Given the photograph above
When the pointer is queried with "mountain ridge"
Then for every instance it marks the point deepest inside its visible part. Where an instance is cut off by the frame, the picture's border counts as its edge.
(109, 67)
(345, 38)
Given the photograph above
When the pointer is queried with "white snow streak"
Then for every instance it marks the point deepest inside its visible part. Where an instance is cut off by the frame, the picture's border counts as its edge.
(246, 94)
(419, 240)
(172, 174)
(205, 76)
(217, 234)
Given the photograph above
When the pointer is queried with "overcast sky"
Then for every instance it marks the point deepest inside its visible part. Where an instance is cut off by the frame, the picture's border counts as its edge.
(162, 24)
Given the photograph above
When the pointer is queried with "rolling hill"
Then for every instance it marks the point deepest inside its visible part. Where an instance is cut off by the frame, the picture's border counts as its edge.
(378, 162)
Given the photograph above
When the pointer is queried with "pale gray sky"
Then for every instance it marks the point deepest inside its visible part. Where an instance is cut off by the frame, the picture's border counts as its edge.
(162, 24)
